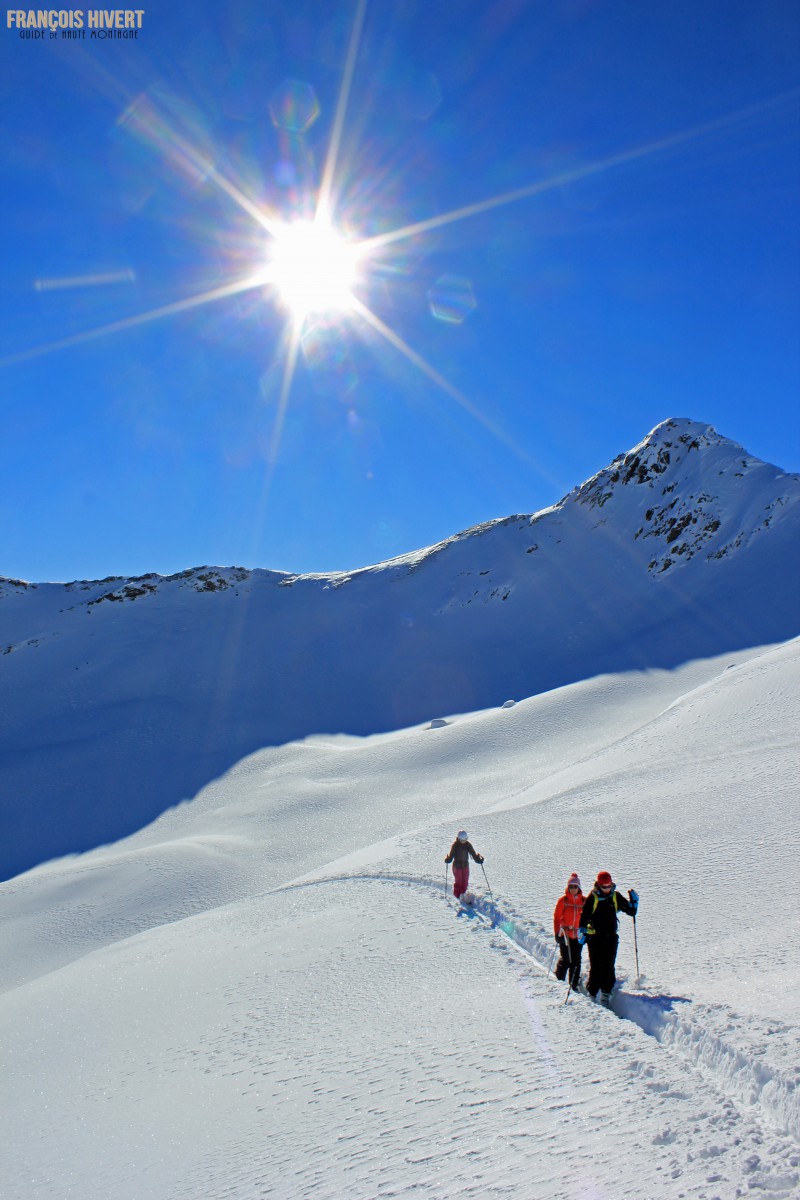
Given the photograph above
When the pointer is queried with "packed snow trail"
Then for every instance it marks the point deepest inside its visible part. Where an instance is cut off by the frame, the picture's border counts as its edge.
(704, 1036)
(335, 1041)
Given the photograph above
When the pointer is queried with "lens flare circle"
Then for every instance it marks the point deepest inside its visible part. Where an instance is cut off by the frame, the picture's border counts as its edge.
(313, 268)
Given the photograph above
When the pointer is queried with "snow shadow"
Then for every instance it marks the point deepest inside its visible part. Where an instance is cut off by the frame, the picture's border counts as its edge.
(121, 711)
(659, 1005)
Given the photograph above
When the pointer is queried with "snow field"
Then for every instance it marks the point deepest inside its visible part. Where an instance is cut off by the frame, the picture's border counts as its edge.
(332, 802)
(266, 994)
(312, 1043)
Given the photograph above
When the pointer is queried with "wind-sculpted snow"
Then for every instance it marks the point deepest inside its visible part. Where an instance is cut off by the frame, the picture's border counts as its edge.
(711, 1038)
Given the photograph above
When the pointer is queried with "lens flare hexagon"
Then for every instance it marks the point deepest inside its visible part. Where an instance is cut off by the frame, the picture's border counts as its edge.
(452, 299)
(294, 106)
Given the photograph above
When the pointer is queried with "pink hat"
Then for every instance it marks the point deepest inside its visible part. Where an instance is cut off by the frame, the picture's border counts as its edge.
(573, 880)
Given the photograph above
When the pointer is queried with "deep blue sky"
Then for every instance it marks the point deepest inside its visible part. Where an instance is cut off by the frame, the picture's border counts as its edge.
(667, 285)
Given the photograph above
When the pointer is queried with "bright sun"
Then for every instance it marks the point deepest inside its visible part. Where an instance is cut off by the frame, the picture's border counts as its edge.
(313, 268)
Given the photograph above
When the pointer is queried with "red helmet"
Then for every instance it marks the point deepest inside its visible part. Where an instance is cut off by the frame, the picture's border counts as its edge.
(604, 879)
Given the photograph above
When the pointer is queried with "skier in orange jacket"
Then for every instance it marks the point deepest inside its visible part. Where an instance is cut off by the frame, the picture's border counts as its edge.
(566, 922)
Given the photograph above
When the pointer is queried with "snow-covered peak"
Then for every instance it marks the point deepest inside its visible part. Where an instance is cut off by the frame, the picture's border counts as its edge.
(676, 451)
(685, 491)
(686, 431)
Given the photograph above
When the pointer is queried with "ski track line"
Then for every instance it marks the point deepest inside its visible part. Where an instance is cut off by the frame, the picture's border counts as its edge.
(731, 1071)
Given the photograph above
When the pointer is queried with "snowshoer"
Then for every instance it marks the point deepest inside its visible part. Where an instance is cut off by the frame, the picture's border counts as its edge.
(460, 853)
(598, 929)
(566, 922)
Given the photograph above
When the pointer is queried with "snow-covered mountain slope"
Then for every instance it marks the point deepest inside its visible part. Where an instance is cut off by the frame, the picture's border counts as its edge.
(125, 696)
(267, 992)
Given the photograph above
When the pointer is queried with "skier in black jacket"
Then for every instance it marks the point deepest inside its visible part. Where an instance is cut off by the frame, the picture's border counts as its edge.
(460, 853)
(599, 931)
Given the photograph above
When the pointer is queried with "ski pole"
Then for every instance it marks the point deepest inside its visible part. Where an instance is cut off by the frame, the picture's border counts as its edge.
(555, 950)
(491, 897)
(636, 946)
(446, 873)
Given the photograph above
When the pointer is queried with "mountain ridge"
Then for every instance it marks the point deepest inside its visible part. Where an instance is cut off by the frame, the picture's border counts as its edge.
(666, 445)
(125, 700)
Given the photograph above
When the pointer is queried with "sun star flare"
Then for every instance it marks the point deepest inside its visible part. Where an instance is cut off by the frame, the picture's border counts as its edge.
(313, 268)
